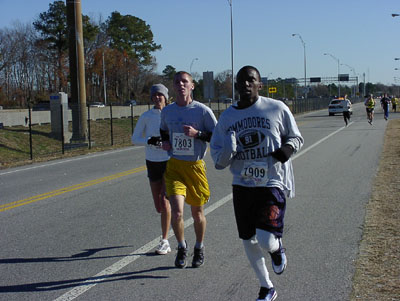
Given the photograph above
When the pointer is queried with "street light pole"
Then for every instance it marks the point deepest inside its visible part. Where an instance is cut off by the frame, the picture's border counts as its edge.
(233, 77)
(354, 73)
(267, 82)
(191, 64)
(338, 69)
(305, 64)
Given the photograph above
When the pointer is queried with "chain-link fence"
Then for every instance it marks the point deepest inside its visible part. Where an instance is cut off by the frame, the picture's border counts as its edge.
(43, 135)
(105, 127)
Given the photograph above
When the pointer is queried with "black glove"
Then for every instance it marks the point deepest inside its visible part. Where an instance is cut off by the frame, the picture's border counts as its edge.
(154, 141)
(283, 154)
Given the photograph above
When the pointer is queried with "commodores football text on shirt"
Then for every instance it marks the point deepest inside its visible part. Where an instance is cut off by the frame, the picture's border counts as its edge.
(252, 154)
(250, 122)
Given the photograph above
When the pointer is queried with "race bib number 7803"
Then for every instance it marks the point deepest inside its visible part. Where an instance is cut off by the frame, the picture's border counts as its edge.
(182, 144)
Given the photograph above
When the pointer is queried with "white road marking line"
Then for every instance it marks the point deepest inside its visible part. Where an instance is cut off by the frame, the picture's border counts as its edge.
(71, 160)
(114, 268)
(319, 142)
(107, 272)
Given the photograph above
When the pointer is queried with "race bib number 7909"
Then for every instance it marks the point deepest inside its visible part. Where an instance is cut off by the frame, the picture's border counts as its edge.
(255, 172)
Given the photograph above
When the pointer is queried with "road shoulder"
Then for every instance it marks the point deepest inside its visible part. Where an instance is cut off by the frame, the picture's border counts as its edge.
(377, 275)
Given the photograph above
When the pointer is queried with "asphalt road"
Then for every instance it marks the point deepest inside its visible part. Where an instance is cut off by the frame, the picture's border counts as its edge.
(85, 228)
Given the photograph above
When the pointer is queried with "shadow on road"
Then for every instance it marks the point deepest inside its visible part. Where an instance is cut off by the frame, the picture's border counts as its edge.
(65, 284)
(80, 256)
(86, 254)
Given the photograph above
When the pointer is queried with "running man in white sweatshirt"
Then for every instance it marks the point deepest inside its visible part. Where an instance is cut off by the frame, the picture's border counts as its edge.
(256, 138)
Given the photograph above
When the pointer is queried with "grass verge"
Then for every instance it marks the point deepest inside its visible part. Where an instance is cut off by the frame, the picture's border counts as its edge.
(15, 142)
(377, 275)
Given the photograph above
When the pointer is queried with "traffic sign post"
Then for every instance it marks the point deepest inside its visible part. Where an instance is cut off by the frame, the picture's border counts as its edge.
(272, 90)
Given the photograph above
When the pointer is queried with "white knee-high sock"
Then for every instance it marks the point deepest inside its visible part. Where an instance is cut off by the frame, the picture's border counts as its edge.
(257, 261)
(267, 240)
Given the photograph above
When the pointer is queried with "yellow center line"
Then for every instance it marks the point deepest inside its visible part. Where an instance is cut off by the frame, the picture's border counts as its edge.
(68, 189)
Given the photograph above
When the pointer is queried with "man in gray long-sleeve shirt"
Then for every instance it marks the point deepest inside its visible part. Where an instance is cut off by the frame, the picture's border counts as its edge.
(256, 138)
(186, 126)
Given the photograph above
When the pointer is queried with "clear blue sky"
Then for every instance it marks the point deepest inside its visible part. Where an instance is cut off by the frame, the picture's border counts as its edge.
(360, 33)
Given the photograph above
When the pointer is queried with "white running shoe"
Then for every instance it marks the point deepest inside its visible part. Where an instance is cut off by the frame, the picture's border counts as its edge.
(267, 294)
(279, 260)
(163, 247)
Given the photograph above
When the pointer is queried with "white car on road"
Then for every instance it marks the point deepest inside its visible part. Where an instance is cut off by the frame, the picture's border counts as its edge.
(336, 107)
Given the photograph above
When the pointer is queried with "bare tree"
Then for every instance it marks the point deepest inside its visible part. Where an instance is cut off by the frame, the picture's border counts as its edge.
(223, 84)
(18, 62)
(7, 59)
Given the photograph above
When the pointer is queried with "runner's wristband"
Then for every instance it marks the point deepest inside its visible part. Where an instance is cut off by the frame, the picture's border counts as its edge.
(164, 135)
(283, 154)
(205, 136)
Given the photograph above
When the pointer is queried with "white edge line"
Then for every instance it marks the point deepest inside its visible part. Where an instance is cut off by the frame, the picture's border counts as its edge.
(107, 272)
(112, 269)
(88, 156)
(318, 142)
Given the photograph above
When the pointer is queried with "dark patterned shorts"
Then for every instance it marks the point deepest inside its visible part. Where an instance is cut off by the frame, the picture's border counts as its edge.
(258, 207)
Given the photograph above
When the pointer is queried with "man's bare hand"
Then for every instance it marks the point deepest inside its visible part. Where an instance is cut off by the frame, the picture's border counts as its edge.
(190, 131)
(166, 145)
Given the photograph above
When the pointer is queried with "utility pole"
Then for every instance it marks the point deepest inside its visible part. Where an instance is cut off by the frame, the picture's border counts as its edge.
(233, 76)
(104, 82)
(77, 70)
(364, 88)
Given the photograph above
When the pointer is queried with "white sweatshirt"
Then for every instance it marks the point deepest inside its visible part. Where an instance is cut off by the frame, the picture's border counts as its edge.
(244, 139)
(148, 126)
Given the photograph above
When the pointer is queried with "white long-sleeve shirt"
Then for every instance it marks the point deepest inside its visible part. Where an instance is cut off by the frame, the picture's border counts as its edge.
(148, 126)
(257, 131)
(346, 103)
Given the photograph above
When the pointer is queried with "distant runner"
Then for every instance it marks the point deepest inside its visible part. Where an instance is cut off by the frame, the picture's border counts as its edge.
(370, 106)
(394, 103)
(385, 103)
(346, 109)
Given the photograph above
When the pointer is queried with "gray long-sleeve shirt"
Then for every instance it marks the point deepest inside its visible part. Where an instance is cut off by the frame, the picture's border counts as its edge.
(195, 114)
(244, 139)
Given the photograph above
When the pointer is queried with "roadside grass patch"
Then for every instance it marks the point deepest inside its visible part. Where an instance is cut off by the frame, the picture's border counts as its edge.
(15, 144)
(377, 275)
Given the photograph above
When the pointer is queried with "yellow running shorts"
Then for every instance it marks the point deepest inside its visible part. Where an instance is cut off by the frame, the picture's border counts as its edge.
(189, 179)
